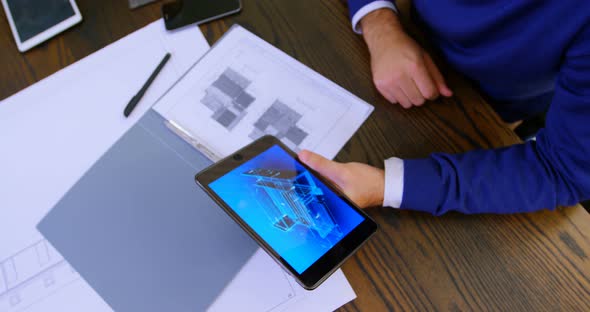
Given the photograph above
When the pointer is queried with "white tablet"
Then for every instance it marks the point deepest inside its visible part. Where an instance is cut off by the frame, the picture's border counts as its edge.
(34, 21)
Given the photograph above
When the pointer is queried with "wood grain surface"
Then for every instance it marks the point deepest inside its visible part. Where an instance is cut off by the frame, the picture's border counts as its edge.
(417, 262)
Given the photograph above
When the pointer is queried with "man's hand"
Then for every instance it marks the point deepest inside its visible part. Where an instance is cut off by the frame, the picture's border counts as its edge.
(402, 71)
(362, 183)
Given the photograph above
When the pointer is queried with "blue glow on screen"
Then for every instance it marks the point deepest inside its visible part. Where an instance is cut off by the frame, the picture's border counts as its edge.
(293, 211)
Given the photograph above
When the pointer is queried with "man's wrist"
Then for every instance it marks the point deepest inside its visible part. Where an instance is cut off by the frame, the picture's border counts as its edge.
(379, 23)
(379, 194)
(373, 5)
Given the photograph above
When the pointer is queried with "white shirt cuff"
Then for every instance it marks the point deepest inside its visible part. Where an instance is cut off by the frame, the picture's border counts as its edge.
(394, 182)
(375, 5)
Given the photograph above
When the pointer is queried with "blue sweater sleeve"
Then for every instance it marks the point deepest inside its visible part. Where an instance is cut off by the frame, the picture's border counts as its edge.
(355, 5)
(554, 170)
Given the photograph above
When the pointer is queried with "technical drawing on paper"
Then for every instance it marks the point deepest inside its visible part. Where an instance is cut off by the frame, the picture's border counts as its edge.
(291, 198)
(280, 120)
(32, 274)
(228, 99)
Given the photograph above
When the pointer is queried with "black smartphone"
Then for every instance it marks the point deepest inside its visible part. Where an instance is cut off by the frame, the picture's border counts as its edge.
(302, 221)
(181, 13)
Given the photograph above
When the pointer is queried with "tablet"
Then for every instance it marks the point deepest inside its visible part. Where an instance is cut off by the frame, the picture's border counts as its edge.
(300, 219)
(34, 21)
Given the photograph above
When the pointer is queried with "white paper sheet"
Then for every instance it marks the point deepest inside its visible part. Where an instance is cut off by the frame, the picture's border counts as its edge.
(245, 88)
(262, 285)
(50, 134)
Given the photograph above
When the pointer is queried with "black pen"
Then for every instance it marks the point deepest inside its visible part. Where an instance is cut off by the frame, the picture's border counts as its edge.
(136, 98)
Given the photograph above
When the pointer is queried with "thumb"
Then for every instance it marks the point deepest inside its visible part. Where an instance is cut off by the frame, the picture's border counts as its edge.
(329, 169)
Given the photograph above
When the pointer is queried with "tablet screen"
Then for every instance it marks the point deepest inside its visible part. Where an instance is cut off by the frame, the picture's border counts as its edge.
(294, 212)
(32, 17)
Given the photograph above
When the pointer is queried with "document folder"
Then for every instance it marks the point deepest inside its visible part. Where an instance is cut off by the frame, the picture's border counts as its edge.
(141, 232)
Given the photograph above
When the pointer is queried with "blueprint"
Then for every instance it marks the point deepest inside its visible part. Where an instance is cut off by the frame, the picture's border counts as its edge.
(32, 274)
(228, 99)
(281, 121)
(244, 88)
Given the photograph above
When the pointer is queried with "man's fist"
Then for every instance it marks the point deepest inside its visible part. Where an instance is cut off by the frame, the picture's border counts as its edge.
(402, 71)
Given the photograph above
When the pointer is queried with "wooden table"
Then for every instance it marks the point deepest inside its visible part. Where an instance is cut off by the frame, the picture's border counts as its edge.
(527, 262)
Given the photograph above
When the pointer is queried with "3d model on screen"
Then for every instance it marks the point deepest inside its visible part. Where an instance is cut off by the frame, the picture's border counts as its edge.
(292, 198)
(228, 99)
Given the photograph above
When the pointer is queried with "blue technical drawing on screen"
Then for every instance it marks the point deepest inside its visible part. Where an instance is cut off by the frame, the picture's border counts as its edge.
(294, 212)
(290, 198)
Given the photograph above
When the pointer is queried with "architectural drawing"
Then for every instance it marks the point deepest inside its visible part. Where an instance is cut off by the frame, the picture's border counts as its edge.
(290, 198)
(228, 99)
(280, 120)
(32, 274)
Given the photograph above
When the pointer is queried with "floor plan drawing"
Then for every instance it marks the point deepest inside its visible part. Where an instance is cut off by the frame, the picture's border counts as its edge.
(228, 99)
(245, 88)
(280, 120)
(32, 274)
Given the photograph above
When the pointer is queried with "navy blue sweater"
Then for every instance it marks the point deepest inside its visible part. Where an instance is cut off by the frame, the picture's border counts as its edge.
(529, 55)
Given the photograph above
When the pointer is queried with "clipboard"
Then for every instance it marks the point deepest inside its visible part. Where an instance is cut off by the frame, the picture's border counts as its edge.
(139, 230)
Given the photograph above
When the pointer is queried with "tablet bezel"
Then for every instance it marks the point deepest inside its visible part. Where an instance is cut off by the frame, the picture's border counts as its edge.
(24, 46)
(328, 263)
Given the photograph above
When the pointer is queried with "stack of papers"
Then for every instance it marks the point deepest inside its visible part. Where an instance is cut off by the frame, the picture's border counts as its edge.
(52, 132)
